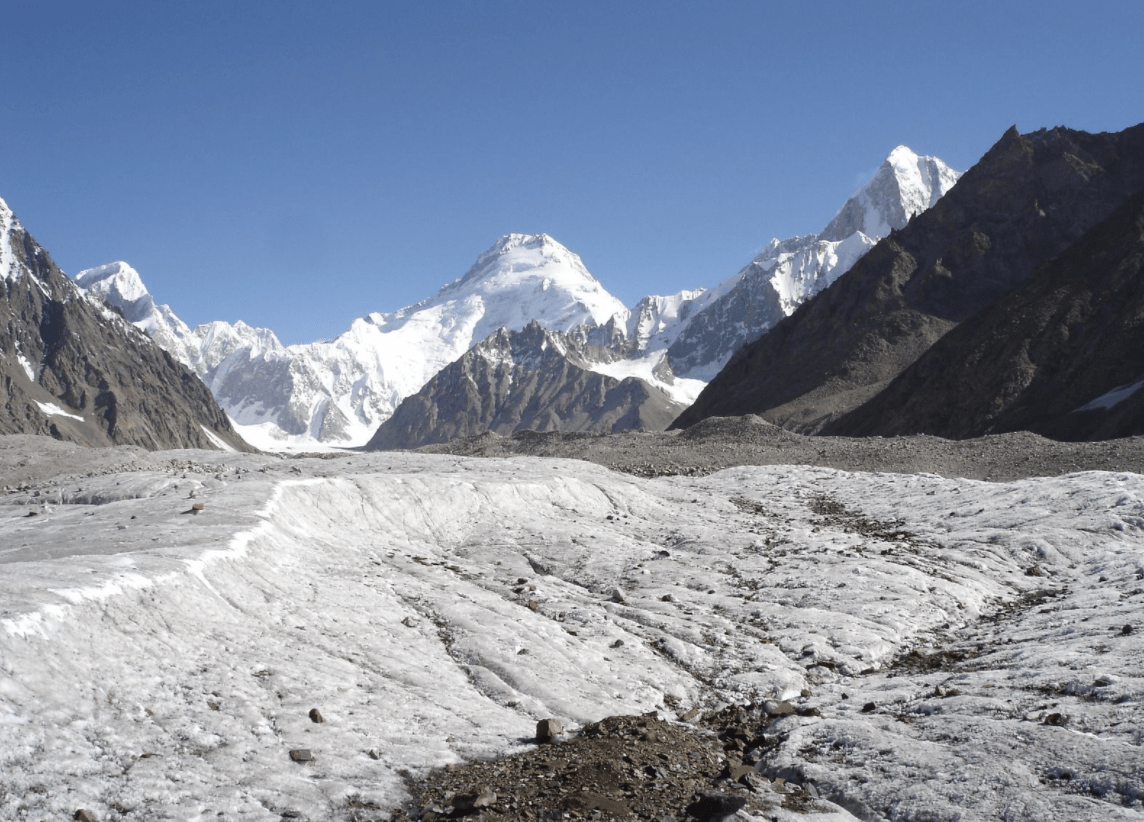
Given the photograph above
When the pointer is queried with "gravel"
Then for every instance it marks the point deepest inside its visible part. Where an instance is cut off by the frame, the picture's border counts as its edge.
(724, 442)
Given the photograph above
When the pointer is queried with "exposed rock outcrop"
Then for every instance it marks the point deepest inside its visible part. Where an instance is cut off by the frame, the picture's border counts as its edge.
(1062, 355)
(533, 379)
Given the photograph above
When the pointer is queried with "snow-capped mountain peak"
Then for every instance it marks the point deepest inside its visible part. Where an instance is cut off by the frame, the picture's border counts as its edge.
(904, 185)
(8, 223)
(524, 277)
(787, 273)
(120, 285)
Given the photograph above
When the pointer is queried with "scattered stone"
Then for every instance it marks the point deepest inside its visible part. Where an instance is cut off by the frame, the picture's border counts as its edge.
(374, 753)
(84, 815)
(1034, 571)
(482, 797)
(781, 709)
(316, 715)
(409, 622)
(1126, 630)
(198, 506)
(301, 755)
(618, 596)
(547, 729)
(869, 707)
(533, 605)
(737, 772)
(619, 643)
(1057, 719)
(715, 807)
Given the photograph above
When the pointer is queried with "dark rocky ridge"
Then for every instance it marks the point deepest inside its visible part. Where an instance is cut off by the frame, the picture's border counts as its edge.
(532, 379)
(1071, 333)
(1025, 201)
(93, 365)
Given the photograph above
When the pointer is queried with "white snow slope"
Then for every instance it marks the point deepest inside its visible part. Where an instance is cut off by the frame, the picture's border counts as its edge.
(157, 664)
(8, 268)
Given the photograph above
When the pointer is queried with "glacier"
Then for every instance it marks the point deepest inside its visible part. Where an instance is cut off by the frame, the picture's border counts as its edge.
(160, 664)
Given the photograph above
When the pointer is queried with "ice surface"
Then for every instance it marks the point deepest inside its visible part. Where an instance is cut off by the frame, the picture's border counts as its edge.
(157, 663)
(53, 410)
(681, 390)
(1113, 397)
(29, 369)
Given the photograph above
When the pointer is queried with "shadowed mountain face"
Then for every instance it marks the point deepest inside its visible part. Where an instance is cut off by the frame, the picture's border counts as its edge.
(532, 379)
(1027, 200)
(1066, 339)
(76, 371)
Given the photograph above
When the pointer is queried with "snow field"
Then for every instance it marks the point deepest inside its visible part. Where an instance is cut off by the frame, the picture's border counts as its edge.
(433, 608)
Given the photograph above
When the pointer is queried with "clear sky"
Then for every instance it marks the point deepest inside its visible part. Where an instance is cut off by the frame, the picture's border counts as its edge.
(299, 164)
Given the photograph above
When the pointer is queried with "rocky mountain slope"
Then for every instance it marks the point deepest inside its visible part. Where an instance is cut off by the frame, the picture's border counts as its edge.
(1062, 355)
(533, 379)
(1026, 200)
(75, 370)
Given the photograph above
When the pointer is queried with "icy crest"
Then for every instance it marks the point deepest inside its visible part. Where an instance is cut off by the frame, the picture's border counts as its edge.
(119, 284)
(905, 185)
(787, 273)
(654, 315)
(7, 256)
(522, 277)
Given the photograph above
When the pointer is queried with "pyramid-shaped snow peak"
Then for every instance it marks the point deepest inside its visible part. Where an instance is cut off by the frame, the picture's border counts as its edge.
(534, 277)
(120, 285)
(906, 184)
(521, 278)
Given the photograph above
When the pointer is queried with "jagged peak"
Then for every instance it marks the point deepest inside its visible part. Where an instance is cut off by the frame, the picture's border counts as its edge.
(548, 250)
(114, 278)
(118, 284)
(7, 258)
(905, 184)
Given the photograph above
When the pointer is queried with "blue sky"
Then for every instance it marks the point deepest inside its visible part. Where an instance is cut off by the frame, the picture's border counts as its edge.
(297, 165)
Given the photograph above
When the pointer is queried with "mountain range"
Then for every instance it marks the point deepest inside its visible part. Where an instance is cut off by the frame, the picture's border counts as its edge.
(338, 392)
(956, 305)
